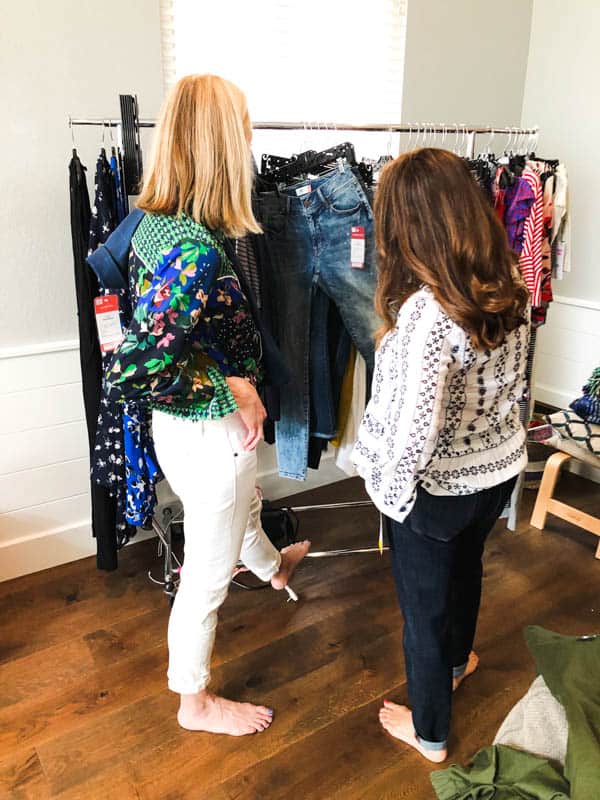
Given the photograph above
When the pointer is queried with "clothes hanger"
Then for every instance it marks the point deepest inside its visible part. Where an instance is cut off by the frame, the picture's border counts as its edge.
(113, 150)
(103, 146)
(73, 137)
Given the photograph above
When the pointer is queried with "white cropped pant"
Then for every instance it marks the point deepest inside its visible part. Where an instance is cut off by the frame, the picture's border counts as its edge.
(216, 481)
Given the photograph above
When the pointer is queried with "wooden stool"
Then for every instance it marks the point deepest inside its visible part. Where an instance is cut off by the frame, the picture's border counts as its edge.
(545, 503)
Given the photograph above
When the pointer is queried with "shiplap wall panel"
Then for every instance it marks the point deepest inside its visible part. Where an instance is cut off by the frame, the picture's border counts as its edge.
(68, 512)
(573, 315)
(33, 487)
(33, 409)
(567, 350)
(36, 370)
(38, 448)
(573, 345)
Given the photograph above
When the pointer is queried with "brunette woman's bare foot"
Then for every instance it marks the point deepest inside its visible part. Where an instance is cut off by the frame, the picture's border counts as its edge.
(207, 712)
(397, 721)
(290, 558)
(472, 664)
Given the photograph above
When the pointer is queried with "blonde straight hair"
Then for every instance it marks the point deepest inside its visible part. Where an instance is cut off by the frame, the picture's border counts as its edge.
(201, 163)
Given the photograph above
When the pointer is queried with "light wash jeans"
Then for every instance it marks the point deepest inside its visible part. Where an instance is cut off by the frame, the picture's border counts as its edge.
(216, 481)
(308, 228)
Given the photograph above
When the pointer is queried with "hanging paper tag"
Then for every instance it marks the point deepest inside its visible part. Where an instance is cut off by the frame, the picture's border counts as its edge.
(303, 190)
(357, 247)
(108, 321)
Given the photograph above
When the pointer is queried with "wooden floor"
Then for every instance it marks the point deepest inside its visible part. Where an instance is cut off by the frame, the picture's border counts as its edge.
(85, 713)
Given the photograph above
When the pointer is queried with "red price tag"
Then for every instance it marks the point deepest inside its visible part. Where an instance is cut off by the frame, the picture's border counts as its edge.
(357, 247)
(108, 321)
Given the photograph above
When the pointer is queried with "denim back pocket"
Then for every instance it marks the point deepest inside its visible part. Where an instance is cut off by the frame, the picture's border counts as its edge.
(441, 517)
(345, 196)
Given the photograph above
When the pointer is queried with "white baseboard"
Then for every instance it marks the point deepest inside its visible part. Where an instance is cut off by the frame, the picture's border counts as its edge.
(50, 549)
(552, 396)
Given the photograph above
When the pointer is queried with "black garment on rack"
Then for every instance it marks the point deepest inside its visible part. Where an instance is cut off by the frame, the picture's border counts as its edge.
(104, 211)
(108, 463)
(86, 288)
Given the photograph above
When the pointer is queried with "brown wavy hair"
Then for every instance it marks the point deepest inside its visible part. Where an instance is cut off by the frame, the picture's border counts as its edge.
(435, 227)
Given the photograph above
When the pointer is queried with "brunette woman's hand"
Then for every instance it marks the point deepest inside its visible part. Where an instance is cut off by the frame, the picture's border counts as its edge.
(250, 409)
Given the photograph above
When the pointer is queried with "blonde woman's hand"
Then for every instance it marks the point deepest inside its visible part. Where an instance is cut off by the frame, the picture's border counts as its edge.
(250, 409)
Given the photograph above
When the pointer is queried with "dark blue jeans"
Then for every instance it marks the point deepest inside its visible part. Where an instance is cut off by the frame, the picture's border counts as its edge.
(330, 346)
(436, 559)
(308, 230)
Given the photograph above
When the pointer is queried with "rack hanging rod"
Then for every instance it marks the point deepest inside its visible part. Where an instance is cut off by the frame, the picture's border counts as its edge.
(343, 126)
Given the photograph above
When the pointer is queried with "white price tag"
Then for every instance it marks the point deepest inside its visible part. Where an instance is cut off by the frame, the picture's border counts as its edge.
(108, 321)
(303, 190)
(357, 247)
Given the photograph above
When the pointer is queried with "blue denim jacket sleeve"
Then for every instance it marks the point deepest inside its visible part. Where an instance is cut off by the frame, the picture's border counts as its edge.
(109, 262)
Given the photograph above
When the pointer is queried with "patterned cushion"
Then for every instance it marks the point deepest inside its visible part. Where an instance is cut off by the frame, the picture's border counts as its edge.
(572, 428)
(588, 408)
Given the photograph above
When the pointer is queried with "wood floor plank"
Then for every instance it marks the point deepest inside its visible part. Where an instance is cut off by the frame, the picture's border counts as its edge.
(303, 707)
(84, 712)
(116, 783)
(22, 777)
(22, 677)
(137, 648)
(250, 619)
(150, 723)
(41, 719)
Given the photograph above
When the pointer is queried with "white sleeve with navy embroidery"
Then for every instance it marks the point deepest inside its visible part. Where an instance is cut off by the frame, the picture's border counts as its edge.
(442, 414)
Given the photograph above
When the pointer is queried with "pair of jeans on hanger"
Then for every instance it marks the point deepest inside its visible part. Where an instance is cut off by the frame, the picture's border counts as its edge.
(308, 228)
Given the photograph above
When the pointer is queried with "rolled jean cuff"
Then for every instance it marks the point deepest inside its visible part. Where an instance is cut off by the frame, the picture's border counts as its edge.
(431, 745)
(458, 672)
(266, 574)
(193, 687)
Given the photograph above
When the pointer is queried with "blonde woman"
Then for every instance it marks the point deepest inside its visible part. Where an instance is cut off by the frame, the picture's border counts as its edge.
(194, 354)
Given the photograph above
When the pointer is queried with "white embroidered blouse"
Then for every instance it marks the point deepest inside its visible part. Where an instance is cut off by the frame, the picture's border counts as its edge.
(442, 414)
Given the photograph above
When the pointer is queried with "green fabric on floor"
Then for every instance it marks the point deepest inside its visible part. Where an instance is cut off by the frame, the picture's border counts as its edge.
(571, 668)
(501, 773)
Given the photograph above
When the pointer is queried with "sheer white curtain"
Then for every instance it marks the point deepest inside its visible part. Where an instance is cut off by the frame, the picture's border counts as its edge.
(322, 61)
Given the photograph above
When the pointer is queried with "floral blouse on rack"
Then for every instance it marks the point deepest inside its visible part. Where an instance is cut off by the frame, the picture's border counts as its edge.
(191, 328)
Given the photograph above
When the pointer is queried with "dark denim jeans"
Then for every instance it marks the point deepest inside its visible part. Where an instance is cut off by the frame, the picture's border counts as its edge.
(309, 236)
(436, 558)
(330, 346)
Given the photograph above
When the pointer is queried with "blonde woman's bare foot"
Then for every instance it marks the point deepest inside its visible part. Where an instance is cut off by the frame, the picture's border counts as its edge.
(207, 712)
(398, 722)
(290, 558)
(472, 664)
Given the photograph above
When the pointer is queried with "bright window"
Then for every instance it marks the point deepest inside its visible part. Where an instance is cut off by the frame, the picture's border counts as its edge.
(325, 61)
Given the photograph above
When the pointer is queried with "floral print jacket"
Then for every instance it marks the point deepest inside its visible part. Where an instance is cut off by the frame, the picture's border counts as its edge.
(191, 326)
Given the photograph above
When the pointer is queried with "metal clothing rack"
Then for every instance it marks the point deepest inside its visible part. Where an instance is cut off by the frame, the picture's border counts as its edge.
(128, 127)
(173, 515)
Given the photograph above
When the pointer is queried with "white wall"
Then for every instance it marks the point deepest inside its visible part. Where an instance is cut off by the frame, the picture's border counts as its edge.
(60, 58)
(561, 96)
(66, 57)
(69, 57)
(465, 61)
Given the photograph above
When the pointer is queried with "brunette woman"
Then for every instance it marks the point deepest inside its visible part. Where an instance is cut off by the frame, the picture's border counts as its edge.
(441, 443)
